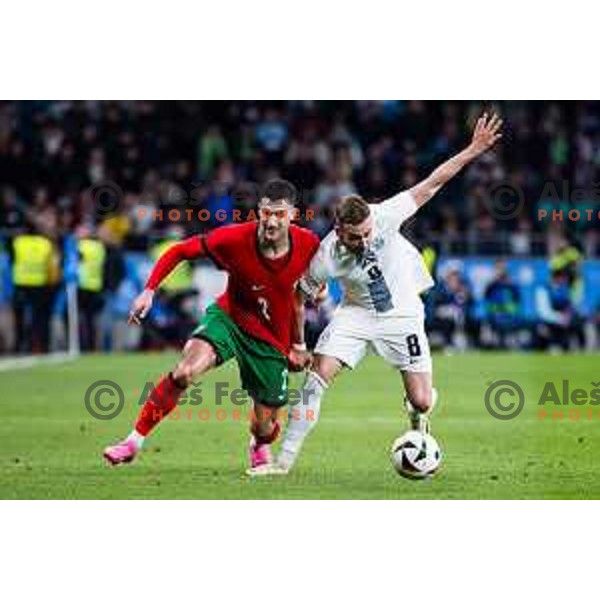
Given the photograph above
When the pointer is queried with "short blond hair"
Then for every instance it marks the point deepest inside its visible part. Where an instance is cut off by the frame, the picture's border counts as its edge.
(351, 210)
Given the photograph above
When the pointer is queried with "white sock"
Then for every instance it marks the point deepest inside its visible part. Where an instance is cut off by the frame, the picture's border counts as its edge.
(137, 438)
(308, 412)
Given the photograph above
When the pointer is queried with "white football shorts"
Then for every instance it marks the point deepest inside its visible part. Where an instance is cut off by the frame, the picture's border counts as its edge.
(401, 341)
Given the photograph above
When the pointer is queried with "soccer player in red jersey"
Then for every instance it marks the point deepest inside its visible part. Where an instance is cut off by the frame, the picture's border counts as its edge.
(254, 320)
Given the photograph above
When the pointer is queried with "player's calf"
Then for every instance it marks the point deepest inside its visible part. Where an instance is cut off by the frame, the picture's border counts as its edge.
(161, 400)
(198, 357)
(302, 419)
(419, 408)
(421, 400)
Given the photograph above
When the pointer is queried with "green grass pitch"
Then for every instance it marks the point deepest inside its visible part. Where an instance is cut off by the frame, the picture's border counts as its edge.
(50, 447)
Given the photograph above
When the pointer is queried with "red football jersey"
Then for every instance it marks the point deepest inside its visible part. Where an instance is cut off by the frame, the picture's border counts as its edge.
(259, 295)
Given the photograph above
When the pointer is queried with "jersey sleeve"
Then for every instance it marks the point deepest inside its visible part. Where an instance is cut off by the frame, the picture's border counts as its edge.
(185, 250)
(317, 273)
(397, 209)
(219, 245)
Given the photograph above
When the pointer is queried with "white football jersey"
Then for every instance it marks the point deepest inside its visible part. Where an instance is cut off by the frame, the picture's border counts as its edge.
(389, 276)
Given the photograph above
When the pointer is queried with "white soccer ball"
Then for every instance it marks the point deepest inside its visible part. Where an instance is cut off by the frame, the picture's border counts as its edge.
(416, 455)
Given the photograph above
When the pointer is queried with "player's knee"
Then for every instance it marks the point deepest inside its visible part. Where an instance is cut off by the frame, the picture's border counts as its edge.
(421, 399)
(326, 368)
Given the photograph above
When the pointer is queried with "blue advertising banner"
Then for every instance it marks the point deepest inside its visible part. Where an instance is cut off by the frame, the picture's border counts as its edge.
(528, 274)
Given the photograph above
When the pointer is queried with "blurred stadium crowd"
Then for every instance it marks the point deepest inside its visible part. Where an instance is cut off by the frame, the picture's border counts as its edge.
(92, 192)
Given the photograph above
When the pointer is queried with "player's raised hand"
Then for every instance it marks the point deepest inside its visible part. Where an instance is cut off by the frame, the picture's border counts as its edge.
(486, 133)
(141, 307)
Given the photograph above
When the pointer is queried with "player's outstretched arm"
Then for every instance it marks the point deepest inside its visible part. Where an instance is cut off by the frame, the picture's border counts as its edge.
(485, 135)
(298, 357)
(185, 250)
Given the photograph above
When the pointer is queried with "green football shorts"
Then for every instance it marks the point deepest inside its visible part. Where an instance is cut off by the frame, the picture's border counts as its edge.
(263, 369)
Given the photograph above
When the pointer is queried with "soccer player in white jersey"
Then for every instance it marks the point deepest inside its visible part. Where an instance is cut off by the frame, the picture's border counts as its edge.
(382, 276)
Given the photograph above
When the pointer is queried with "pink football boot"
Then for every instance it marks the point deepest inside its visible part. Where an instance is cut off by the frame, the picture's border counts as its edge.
(123, 452)
(260, 454)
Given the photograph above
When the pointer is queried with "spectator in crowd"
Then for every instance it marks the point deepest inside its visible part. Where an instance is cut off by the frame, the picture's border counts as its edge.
(337, 184)
(35, 264)
(272, 135)
(115, 265)
(452, 303)
(90, 295)
(502, 299)
(194, 154)
(566, 258)
(12, 211)
(559, 322)
(212, 150)
(520, 240)
(6, 317)
(59, 149)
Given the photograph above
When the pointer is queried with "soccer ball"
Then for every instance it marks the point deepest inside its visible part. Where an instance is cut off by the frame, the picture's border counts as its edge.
(416, 455)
